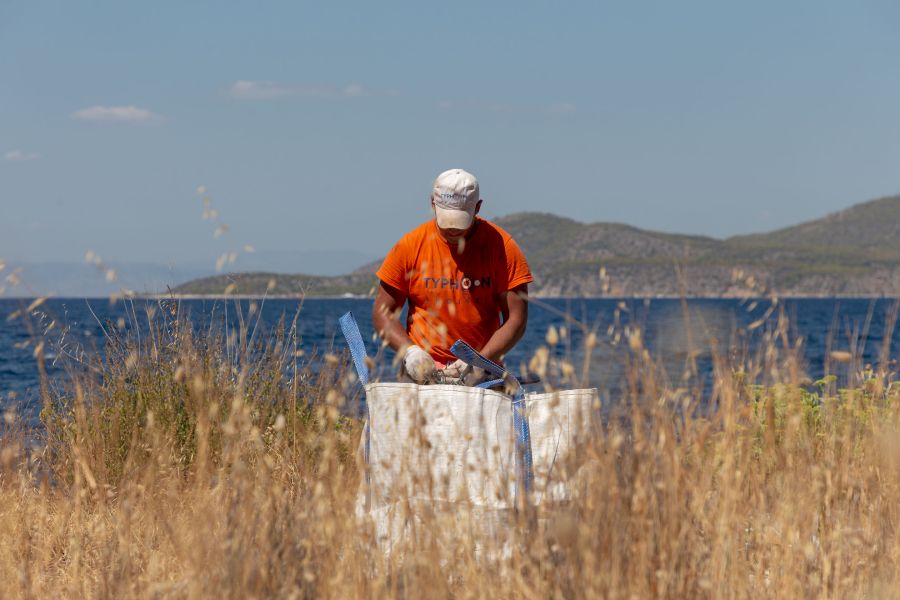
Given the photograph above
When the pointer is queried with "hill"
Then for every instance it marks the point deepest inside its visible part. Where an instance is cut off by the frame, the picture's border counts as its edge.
(852, 252)
(871, 226)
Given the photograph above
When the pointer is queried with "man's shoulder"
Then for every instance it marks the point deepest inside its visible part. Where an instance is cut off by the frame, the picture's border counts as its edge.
(419, 232)
(402, 255)
(495, 231)
(413, 238)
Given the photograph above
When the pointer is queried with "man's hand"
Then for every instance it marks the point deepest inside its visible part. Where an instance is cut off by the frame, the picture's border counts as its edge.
(467, 374)
(456, 369)
(419, 364)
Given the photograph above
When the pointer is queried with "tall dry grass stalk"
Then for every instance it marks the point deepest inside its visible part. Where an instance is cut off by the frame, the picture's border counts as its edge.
(193, 464)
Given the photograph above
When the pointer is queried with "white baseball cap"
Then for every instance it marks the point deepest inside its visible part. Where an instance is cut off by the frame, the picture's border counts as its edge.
(455, 195)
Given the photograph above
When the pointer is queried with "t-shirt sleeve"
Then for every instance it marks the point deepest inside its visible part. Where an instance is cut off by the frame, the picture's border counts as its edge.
(394, 268)
(517, 270)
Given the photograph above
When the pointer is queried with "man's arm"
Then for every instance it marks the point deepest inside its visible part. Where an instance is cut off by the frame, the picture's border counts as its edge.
(389, 302)
(514, 307)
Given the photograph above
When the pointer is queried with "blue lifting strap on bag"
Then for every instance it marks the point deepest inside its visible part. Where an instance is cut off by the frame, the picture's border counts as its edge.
(357, 347)
(350, 329)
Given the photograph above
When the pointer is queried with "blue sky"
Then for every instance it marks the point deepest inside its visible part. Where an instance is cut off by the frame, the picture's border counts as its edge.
(317, 128)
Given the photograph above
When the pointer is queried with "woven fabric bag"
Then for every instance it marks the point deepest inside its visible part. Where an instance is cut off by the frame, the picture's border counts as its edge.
(450, 451)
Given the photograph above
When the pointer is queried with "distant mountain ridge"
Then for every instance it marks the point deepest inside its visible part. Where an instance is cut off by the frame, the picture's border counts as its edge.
(854, 252)
(80, 280)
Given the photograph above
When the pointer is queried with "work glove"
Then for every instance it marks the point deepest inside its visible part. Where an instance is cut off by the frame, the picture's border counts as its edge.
(467, 374)
(456, 369)
(419, 364)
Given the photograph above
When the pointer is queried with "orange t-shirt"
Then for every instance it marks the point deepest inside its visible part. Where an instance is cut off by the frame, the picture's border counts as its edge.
(454, 295)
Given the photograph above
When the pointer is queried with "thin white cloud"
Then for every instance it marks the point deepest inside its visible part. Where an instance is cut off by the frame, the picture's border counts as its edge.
(117, 114)
(265, 90)
(20, 155)
(562, 108)
(557, 108)
(355, 89)
(257, 90)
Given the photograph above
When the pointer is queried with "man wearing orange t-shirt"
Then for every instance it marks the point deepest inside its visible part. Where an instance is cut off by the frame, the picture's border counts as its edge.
(459, 274)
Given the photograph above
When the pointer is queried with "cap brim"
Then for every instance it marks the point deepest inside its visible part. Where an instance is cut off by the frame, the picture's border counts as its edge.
(453, 219)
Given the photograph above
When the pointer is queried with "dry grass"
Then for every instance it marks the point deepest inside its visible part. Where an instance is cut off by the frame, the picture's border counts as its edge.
(196, 465)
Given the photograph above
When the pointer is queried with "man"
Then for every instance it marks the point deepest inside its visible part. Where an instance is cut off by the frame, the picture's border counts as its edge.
(460, 274)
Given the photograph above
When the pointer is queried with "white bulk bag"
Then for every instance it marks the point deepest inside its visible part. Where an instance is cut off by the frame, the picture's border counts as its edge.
(449, 446)
(440, 442)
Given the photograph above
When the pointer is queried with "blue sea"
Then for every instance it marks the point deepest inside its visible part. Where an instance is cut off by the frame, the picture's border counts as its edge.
(675, 333)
